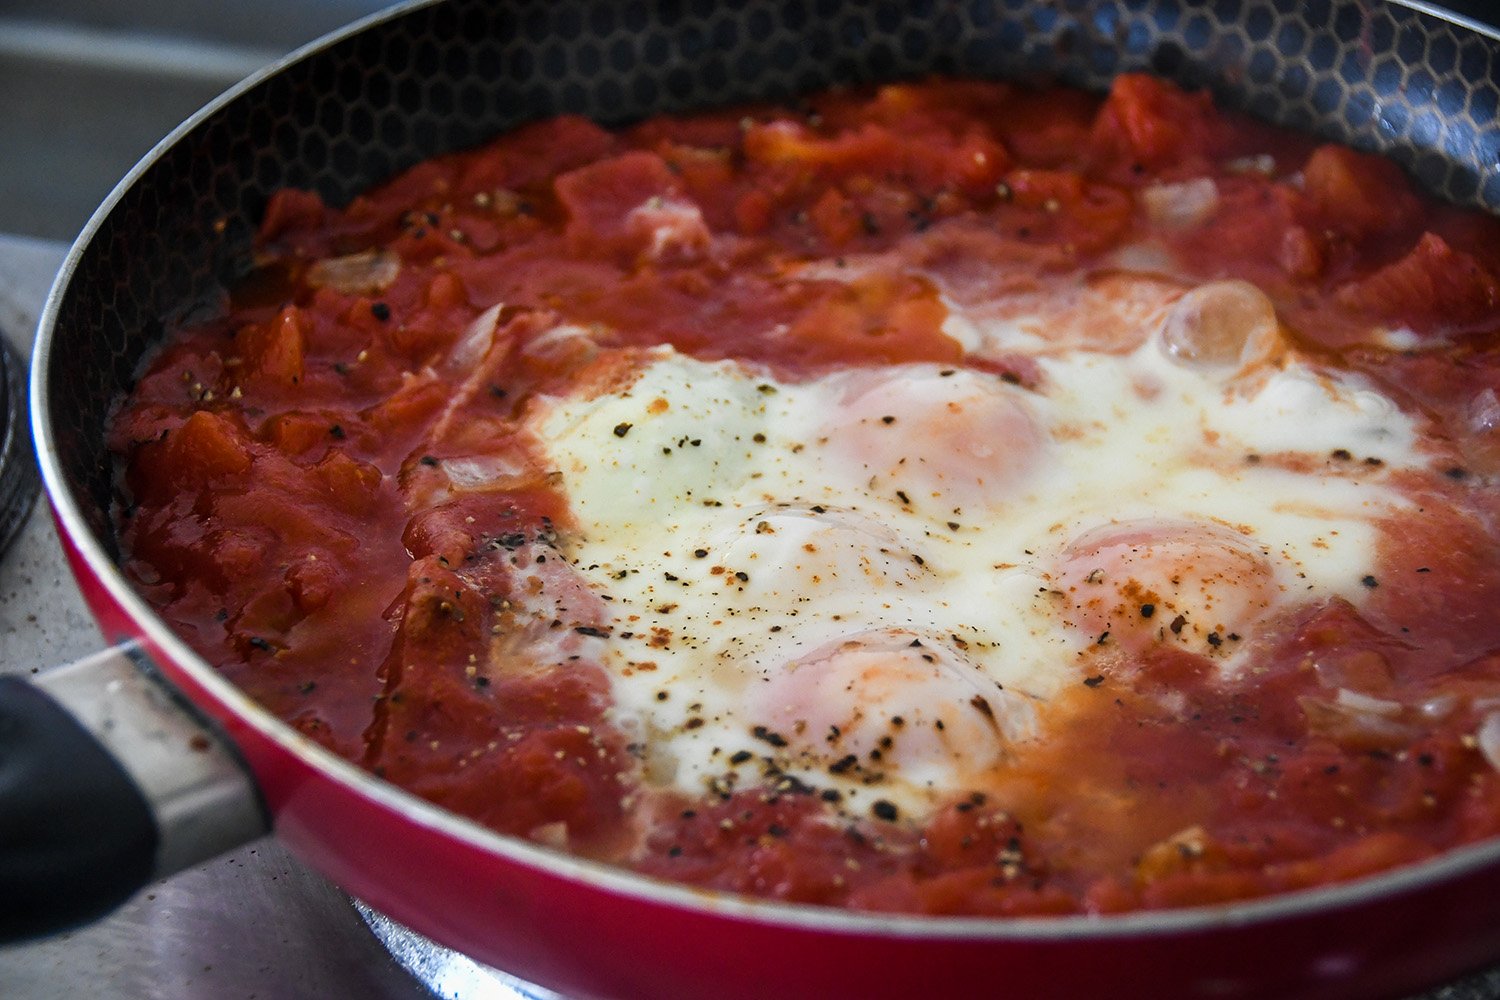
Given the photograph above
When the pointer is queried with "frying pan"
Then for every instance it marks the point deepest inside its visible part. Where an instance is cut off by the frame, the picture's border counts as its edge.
(143, 759)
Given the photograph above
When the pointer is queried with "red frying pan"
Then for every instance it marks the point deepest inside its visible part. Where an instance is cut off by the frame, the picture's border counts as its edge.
(143, 760)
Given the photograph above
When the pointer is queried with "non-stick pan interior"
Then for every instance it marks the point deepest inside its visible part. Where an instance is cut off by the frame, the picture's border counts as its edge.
(436, 77)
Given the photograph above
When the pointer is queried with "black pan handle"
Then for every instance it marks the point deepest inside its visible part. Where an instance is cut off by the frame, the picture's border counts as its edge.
(108, 782)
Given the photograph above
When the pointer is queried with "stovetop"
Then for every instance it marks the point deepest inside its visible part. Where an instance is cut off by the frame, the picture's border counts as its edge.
(253, 924)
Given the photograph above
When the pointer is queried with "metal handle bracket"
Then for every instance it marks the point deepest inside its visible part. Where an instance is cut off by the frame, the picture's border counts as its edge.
(200, 793)
(108, 781)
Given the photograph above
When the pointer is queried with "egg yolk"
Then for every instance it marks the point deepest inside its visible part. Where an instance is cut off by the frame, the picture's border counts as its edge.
(961, 438)
(1189, 582)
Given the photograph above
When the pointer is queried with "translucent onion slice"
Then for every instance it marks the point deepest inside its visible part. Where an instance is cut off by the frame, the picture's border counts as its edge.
(1181, 205)
(1489, 739)
(365, 273)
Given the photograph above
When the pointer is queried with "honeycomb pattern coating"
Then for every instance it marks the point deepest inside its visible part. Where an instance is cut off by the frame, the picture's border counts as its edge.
(18, 479)
(438, 76)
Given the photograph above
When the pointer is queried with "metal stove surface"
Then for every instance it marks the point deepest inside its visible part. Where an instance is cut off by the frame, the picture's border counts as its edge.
(253, 924)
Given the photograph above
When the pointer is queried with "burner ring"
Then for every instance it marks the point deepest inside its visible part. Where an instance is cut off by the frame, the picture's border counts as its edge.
(446, 974)
(19, 482)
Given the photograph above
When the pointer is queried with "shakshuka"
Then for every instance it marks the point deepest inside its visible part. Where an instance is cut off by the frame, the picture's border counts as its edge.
(946, 497)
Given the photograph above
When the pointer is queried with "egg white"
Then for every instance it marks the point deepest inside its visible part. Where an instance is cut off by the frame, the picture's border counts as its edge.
(745, 540)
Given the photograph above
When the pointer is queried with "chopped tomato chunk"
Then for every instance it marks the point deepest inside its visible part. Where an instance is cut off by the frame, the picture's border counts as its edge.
(1148, 125)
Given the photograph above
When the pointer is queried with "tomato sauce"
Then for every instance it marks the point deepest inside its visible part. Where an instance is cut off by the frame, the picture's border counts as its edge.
(287, 500)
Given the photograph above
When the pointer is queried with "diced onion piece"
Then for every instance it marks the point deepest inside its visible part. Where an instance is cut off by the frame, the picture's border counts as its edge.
(476, 340)
(1181, 205)
(1357, 721)
(1359, 669)
(673, 227)
(564, 343)
(1262, 163)
(1223, 324)
(551, 835)
(1145, 258)
(1182, 852)
(1482, 444)
(364, 273)
(1357, 702)
(484, 472)
(1489, 739)
(1484, 412)
(1439, 706)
